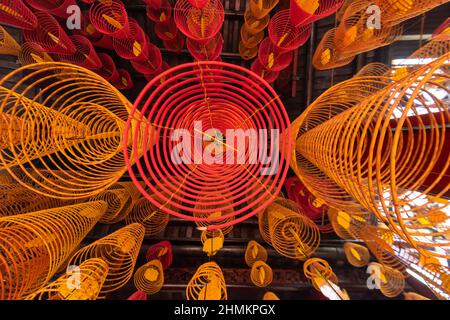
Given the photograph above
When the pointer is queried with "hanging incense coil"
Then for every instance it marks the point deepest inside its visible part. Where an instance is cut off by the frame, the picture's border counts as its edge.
(145, 213)
(315, 268)
(80, 120)
(138, 295)
(134, 46)
(8, 45)
(149, 278)
(199, 24)
(391, 282)
(110, 18)
(261, 8)
(268, 75)
(125, 81)
(261, 274)
(166, 32)
(104, 42)
(438, 278)
(212, 241)
(16, 14)
(108, 70)
(271, 57)
(349, 226)
(198, 3)
(250, 40)
(161, 251)
(88, 29)
(254, 25)
(307, 11)
(357, 255)
(255, 252)
(247, 53)
(85, 55)
(53, 7)
(152, 61)
(119, 250)
(373, 69)
(36, 244)
(31, 54)
(176, 44)
(384, 166)
(207, 283)
(326, 56)
(210, 50)
(270, 296)
(164, 66)
(284, 34)
(213, 187)
(159, 12)
(82, 283)
(118, 200)
(49, 35)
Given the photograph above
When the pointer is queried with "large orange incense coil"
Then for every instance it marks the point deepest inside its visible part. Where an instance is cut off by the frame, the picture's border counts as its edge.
(284, 34)
(207, 283)
(134, 46)
(291, 233)
(118, 200)
(255, 252)
(82, 283)
(199, 24)
(436, 47)
(15, 13)
(49, 35)
(247, 53)
(391, 282)
(110, 18)
(396, 11)
(373, 69)
(149, 278)
(119, 250)
(34, 245)
(357, 255)
(261, 274)
(438, 278)
(326, 56)
(31, 54)
(261, 8)
(210, 50)
(53, 7)
(79, 125)
(145, 213)
(394, 154)
(8, 45)
(253, 24)
(271, 57)
(85, 55)
(249, 39)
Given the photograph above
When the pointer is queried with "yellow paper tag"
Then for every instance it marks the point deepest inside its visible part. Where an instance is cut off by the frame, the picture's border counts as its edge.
(343, 219)
(355, 254)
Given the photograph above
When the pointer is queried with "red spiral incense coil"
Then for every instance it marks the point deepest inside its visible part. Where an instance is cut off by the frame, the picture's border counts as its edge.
(161, 251)
(167, 31)
(104, 42)
(110, 18)
(108, 70)
(268, 75)
(176, 44)
(88, 29)
(54, 7)
(159, 12)
(134, 46)
(209, 50)
(125, 81)
(164, 66)
(198, 3)
(152, 62)
(85, 54)
(16, 14)
(284, 34)
(49, 35)
(307, 11)
(271, 57)
(138, 295)
(223, 96)
(199, 24)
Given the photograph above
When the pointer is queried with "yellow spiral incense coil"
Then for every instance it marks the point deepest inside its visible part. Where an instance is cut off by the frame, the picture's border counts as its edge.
(120, 250)
(149, 278)
(118, 200)
(84, 282)
(391, 282)
(255, 252)
(357, 255)
(67, 121)
(30, 55)
(34, 245)
(318, 268)
(291, 233)
(348, 226)
(373, 69)
(8, 45)
(212, 241)
(270, 296)
(207, 284)
(327, 56)
(145, 213)
(261, 274)
(261, 8)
